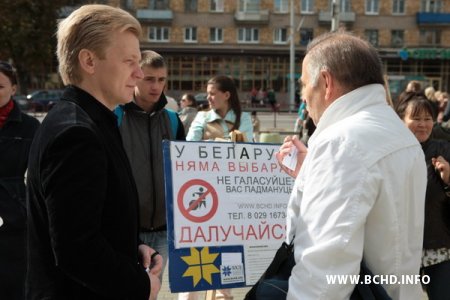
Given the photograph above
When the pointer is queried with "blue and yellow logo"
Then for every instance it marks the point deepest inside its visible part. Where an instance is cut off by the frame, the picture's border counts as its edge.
(200, 265)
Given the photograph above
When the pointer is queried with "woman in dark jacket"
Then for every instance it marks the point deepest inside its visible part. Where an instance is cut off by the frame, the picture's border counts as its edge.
(417, 113)
(16, 132)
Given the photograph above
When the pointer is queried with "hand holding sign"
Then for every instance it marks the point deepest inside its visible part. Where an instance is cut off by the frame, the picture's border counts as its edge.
(291, 155)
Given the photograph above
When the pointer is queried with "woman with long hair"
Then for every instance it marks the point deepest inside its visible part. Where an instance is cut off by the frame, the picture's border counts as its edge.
(225, 115)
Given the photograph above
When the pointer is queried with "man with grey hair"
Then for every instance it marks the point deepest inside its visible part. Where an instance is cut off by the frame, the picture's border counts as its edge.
(83, 205)
(360, 186)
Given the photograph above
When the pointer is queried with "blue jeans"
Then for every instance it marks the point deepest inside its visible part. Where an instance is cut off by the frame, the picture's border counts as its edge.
(271, 289)
(158, 241)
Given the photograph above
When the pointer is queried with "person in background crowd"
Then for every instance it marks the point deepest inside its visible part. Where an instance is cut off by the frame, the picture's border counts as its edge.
(261, 96)
(360, 185)
(204, 107)
(308, 129)
(188, 111)
(172, 104)
(301, 116)
(417, 114)
(271, 97)
(82, 201)
(256, 126)
(430, 94)
(16, 133)
(441, 103)
(443, 100)
(225, 115)
(413, 86)
(253, 97)
(144, 124)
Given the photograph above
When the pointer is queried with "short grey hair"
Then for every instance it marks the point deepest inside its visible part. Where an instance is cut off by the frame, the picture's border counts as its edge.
(351, 60)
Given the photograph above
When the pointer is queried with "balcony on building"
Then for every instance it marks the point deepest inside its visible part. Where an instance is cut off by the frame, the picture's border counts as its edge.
(153, 15)
(428, 18)
(252, 17)
(344, 16)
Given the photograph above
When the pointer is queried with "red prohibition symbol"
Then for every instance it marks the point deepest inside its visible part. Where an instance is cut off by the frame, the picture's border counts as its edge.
(199, 201)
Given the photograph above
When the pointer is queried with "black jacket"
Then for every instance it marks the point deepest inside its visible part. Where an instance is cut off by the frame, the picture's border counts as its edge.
(15, 141)
(83, 207)
(142, 135)
(437, 204)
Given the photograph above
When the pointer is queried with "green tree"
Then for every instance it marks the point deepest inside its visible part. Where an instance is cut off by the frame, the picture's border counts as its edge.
(27, 38)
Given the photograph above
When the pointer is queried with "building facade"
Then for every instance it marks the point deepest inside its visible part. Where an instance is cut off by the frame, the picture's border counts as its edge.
(250, 39)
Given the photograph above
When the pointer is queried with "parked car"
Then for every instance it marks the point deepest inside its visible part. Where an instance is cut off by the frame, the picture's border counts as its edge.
(23, 102)
(43, 100)
(201, 99)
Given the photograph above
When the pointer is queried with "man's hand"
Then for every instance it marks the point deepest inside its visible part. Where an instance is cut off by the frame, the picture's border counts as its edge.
(155, 285)
(151, 260)
(286, 148)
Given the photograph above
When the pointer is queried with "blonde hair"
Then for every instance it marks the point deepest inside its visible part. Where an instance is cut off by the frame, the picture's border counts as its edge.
(89, 27)
(429, 93)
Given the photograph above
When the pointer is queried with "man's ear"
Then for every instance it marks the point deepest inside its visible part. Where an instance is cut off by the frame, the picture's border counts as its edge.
(329, 83)
(87, 61)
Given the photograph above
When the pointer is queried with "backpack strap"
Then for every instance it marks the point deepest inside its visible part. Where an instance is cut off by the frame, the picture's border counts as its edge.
(173, 117)
(118, 111)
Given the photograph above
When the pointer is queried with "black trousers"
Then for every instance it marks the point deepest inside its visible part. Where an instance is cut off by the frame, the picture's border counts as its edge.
(12, 265)
(439, 286)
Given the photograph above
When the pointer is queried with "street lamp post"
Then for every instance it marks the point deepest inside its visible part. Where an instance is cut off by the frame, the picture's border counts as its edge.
(335, 10)
(292, 62)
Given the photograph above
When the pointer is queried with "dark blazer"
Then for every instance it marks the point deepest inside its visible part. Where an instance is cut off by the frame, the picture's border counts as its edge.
(82, 207)
(15, 141)
(437, 204)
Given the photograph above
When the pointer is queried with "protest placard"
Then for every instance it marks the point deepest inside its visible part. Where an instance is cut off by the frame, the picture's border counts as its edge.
(226, 212)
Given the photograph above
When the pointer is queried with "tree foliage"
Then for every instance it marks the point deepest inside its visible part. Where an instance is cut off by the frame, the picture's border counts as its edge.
(28, 37)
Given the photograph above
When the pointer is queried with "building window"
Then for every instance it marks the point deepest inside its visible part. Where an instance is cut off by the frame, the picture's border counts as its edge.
(281, 6)
(158, 34)
(430, 37)
(158, 4)
(306, 35)
(372, 36)
(346, 6)
(129, 4)
(398, 7)
(307, 6)
(280, 36)
(190, 5)
(215, 35)
(216, 5)
(249, 5)
(434, 6)
(248, 35)
(190, 35)
(372, 7)
(397, 38)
